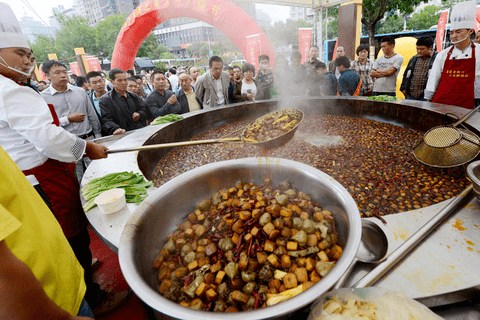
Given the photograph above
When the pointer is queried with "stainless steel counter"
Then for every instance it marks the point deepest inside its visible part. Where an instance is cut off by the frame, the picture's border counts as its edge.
(442, 270)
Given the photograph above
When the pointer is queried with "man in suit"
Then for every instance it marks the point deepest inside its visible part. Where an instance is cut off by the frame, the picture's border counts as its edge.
(211, 88)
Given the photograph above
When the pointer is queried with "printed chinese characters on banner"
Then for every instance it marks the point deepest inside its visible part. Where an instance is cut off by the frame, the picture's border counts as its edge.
(304, 39)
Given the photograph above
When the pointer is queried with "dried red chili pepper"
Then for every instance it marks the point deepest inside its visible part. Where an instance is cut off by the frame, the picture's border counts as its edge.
(258, 300)
(188, 280)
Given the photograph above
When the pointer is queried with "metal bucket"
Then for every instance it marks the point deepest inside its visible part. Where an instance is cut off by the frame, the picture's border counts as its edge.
(147, 229)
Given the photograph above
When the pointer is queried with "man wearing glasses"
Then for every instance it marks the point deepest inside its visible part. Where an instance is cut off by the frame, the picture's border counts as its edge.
(211, 88)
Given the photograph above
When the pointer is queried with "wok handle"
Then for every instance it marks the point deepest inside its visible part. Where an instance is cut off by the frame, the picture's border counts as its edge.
(174, 144)
(374, 275)
(467, 116)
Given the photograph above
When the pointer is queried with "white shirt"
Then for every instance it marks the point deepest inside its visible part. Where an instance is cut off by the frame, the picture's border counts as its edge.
(74, 99)
(438, 64)
(173, 78)
(219, 88)
(249, 86)
(26, 130)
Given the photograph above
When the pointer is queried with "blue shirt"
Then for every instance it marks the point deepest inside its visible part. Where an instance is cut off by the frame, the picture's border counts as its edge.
(95, 102)
(348, 82)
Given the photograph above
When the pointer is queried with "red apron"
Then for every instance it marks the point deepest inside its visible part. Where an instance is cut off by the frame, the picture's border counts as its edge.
(60, 185)
(457, 84)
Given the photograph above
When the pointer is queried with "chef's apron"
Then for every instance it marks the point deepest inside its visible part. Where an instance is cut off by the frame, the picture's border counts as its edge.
(457, 84)
(60, 185)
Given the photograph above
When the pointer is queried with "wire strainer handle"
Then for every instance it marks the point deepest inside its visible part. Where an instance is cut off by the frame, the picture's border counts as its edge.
(467, 116)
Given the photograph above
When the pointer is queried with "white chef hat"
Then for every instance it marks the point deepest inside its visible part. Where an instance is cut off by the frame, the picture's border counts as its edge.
(463, 15)
(11, 35)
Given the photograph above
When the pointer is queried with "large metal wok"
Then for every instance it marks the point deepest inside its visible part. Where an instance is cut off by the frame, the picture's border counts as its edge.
(146, 231)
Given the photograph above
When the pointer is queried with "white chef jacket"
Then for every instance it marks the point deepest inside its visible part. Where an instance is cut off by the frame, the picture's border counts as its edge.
(26, 130)
(437, 68)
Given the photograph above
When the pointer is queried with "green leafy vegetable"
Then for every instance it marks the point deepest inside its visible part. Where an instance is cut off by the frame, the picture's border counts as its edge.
(382, 98)
(134, 184)
(165, 119)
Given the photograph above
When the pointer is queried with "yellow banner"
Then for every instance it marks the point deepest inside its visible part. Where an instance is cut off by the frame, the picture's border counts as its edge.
(79, 50)
(52, 56)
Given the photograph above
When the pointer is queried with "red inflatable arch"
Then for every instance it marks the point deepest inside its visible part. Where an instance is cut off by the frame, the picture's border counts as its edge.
(227, 17)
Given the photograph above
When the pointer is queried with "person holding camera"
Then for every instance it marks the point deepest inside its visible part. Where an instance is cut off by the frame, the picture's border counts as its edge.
(265, 76)
(247, 89)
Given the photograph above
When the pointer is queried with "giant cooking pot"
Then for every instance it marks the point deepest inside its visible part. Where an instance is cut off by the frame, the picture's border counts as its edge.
(167, 207)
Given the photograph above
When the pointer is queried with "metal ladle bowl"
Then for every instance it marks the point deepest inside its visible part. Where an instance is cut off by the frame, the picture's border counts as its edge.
(373, 248)
(270, 143)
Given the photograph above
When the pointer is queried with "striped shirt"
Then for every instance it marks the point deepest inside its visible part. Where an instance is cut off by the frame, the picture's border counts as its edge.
(363, 70)
(419, 77)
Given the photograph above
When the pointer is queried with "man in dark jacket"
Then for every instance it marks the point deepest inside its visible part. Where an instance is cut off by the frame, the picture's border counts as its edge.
(416, 74)
(122, 110)
(329, 81)
(186, 96)
(349, 82)
(161, 101)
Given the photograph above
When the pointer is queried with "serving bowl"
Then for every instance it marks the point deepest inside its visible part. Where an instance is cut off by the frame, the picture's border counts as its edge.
(111, 201)
(167, 207)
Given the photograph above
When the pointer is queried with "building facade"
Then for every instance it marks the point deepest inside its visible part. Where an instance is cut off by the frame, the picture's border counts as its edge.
(31, 28)
(97, 10)
(298, 13)
(60, 10)
(177, 34)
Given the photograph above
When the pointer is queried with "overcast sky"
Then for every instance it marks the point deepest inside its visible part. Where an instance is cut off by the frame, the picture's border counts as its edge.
(44, 8)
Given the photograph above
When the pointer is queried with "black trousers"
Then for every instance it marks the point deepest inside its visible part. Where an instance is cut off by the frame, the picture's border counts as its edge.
(80, 244)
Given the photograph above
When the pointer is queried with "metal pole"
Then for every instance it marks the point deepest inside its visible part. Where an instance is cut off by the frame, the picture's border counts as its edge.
(319, 33)
(208, 39)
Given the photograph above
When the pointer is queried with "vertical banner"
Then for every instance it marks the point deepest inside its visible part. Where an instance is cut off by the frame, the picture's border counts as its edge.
(74, 68)
(334, 55)
(304, 40)
(440, 36)
(93, 64)
(253, 49)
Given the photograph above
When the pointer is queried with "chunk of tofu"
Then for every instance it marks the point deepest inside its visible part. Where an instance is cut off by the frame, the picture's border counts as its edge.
(269, 246)
(290, 281)
(292, 245)
(219, 277)
(285, 261)
(273, 259)
(240, 297)
(301, 274)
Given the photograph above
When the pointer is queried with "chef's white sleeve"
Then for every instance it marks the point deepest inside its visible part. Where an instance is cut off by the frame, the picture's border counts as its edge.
(27, 113)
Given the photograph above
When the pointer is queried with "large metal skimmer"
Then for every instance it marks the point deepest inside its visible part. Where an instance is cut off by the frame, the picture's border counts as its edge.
(448, 146)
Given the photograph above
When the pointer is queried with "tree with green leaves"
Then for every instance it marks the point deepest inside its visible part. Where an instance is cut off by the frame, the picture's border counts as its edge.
(98, 40)
(374, 10)
(424, 19)
(197, 49)
(42, 46)
(74, 33)
(106, 32)
(392, 24)
(284, 34)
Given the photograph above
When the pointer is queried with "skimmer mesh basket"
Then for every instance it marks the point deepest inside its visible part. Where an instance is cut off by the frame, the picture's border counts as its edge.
(446, 147)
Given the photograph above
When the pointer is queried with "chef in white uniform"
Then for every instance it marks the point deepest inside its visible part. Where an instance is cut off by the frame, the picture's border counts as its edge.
(457, 68)
(45, 152)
